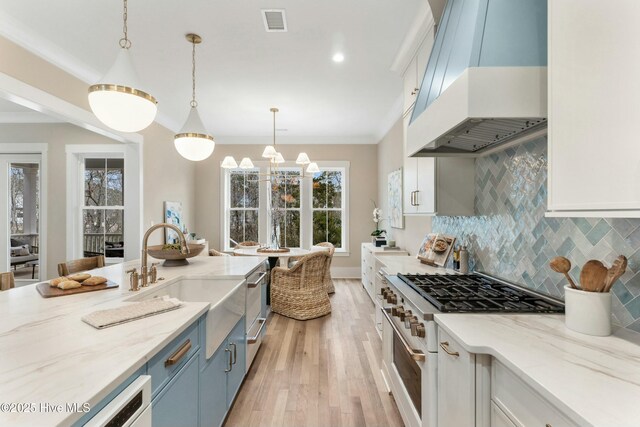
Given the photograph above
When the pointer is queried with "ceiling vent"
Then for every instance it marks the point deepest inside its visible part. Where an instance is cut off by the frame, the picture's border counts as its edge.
(275, 20)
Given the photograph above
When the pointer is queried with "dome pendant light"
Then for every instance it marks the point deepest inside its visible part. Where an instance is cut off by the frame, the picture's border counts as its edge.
(193, 142)
(117, 100)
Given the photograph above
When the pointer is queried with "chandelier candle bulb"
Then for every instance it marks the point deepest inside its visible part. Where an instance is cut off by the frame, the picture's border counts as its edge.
(246, 163)
(313, 168)
(229, 163)
(303, 159)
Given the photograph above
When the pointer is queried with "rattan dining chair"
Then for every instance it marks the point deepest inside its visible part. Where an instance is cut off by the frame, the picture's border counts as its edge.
(300, 292)
(328, 281)
(213, 252)
(82, 264)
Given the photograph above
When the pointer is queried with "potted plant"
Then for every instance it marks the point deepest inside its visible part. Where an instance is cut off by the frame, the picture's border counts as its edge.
(377, 234)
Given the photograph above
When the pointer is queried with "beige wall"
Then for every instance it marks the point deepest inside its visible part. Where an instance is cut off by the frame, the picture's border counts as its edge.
(166, 175)
(362, 188)
(390, 158)
(56, 136)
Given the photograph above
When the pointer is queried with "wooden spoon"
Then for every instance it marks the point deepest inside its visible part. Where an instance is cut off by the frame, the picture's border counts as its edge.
(617, 269)
(593, 276)
(562, 265)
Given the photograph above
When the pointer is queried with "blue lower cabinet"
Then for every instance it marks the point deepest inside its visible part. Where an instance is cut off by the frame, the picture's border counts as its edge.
(213, 388)
(176, 405)
(221, 377)
(238, 346)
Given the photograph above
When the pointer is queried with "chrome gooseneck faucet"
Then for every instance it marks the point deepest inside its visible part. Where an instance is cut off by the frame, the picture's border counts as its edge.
(143, 277)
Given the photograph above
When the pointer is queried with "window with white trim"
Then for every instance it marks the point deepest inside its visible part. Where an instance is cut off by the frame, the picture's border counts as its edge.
(310, 208)
(327, 206)
(243, 205)
(103, 207)
(286, 206)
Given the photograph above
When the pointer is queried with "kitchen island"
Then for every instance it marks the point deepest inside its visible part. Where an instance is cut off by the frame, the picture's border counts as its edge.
(50, 356)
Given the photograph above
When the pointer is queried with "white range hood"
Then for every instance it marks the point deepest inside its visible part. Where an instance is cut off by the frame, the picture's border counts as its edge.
(485, 85)
(483, 109)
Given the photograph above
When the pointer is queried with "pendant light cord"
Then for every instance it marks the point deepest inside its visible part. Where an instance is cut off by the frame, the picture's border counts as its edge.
(124, 42)
(194, 103)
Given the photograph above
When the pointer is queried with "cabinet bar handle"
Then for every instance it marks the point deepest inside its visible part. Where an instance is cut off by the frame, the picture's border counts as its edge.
(416, 355)
(257, 282)
(254, 339)
(417, 202)
(445, 346)
(235, 352)
(226, 350)
(175, 357)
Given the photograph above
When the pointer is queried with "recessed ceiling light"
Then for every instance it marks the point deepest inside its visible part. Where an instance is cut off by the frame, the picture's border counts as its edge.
(338, 57)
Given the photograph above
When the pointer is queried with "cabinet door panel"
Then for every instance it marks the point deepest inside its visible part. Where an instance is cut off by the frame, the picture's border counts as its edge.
(213, 389)
(177, 403)
(456, 384)
(426, 196)
(499, 418)
(594, 99)
(238, 345)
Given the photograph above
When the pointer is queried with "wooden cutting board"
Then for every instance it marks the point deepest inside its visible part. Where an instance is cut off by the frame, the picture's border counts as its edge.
(48, 291)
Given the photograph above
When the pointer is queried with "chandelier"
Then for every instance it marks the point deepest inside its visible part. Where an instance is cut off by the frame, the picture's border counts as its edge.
(193, 142)
(275, 159)
(117, 100)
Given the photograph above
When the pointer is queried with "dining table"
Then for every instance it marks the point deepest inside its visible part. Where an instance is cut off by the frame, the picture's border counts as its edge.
(274, 257)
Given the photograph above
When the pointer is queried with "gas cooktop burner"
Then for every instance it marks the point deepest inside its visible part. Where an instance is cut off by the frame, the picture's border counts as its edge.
(477, 293)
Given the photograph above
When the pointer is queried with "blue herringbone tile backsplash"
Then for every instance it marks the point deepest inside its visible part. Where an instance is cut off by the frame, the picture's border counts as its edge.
(511, 238)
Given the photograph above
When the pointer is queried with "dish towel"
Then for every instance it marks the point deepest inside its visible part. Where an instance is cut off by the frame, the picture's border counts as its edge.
(116, 316)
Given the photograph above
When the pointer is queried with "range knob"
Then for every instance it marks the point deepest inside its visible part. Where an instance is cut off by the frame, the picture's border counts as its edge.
(397, 311)
(409, 321)
(417, 330)
(393, 299)
(405, 314)
(384, 292)
(394, 310)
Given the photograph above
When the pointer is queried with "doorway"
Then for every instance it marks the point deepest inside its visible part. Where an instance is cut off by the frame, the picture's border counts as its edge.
(21, 217)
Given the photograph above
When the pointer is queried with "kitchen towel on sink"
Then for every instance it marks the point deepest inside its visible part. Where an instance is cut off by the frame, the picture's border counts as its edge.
(115, 316)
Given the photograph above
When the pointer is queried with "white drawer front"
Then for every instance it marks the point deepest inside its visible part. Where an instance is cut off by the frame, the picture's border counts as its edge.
(523, 405)
(499, 418)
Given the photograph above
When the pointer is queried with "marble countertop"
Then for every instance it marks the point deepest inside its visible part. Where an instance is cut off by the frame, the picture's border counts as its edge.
(49, 355)
(409, 265)
(593, 380)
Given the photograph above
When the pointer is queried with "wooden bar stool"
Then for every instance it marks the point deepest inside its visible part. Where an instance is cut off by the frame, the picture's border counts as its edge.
(82, 264)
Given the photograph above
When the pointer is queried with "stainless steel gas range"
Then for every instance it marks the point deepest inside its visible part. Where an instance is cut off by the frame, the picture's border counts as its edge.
(409, 332)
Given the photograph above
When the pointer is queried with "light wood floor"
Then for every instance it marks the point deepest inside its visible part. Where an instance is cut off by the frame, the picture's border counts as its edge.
(322, 372)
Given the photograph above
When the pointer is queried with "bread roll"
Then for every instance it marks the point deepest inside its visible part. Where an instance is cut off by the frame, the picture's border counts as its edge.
(56, 282)
(69, 284)
(95, 280)
(79, 277)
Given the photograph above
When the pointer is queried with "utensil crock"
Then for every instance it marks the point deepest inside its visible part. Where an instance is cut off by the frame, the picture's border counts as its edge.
(587, 312)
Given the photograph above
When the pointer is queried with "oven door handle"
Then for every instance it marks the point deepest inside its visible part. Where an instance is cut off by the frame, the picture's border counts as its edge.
(416, 355)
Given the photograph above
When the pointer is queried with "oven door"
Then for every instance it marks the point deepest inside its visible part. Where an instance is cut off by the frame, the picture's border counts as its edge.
(403, 369)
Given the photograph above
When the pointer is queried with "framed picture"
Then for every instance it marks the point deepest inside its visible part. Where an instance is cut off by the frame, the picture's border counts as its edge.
(172, 215)
(394, 194)
(435, 249)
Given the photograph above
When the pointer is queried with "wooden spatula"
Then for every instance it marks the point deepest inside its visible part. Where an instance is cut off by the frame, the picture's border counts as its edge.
(593, 276)
(617, 269)
(562, 265)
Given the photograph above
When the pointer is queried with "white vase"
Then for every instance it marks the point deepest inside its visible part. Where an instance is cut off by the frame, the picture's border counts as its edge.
(587, 312)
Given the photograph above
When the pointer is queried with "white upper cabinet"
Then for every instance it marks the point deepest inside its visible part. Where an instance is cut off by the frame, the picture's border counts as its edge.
(594, 108)
(415, 72)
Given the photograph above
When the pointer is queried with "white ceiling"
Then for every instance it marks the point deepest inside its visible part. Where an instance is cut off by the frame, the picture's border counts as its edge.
(242, 70)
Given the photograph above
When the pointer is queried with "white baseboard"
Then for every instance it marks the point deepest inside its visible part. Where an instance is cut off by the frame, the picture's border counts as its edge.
(345, 272)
